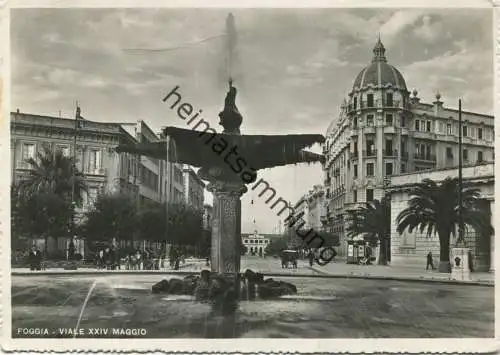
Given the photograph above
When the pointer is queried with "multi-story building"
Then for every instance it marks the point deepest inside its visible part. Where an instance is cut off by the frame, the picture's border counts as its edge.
(105, 170)
(383, 131)
(194, 188)
(255, 244)
(308, 211)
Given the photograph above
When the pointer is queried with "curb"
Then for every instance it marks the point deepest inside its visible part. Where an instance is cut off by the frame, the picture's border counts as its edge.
(404, 278)
(319, 274)
(147, 272)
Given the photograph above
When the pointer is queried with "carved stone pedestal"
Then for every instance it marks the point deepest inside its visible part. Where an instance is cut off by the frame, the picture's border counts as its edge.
(460, 264)
(226, 229)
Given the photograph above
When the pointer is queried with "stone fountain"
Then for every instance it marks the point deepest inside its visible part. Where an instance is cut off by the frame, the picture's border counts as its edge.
(209, 151)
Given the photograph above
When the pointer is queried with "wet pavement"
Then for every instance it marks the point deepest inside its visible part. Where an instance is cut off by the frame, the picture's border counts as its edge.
(323, 308)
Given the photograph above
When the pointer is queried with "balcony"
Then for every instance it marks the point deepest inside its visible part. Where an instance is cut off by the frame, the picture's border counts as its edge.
(391, 153)
(426, 157)
(353, 155)
(369, 153)
(404, 155)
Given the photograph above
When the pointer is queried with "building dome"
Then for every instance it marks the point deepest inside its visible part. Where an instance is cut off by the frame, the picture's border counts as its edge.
(379, 73)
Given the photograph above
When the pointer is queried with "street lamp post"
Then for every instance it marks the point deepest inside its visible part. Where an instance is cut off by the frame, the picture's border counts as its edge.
(460, 178)
(73, 178)
(460, 253)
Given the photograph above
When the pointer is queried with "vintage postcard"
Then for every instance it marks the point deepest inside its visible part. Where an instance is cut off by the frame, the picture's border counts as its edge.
(201, 176)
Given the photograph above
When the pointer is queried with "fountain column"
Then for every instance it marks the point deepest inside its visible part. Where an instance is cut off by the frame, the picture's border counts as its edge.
(226, 227)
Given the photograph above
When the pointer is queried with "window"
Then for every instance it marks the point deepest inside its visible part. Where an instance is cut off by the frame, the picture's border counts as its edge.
(480, 157)
(388, 120)
(28, 151)
(64, 150)
(388, 147)
(428, 126)
(369, 99)
(355, 103)
(388, 98)
(403, 121)
(369, 169)
(464, 131)
(355, 168)
(92, 196)
(480, 133)
(440, 127)
(369, 120)
(449, 129)
(94, 159)
(417, 125)
(355, 122)
(449, 153)
(369, 195)
(465, 154)
(355, 196)
(403, 168)
(245, 241)
(388, 169)
(370, 148)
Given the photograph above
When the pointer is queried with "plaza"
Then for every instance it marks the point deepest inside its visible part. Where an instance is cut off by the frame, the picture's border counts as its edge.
(323, 307)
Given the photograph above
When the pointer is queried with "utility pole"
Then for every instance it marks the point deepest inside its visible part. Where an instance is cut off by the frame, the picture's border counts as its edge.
(75, 133)
(460, 178)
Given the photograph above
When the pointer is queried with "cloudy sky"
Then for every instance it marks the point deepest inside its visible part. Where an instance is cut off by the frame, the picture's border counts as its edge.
(293, 70)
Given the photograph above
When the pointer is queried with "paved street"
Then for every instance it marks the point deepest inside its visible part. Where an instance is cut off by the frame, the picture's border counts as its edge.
(272, 266)
(323, 308)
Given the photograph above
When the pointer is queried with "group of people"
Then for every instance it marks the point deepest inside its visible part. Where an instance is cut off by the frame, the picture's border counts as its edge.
(109, 258)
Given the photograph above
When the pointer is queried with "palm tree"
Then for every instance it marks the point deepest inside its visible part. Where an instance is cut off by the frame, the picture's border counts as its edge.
(373, 218)
(434, 208)
(53, 172)
(49, 185)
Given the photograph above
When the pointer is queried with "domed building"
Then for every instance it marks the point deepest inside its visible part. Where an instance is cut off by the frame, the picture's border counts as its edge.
(383, 130)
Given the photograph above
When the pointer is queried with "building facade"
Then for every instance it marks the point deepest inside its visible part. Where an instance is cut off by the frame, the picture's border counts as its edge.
(194, 188)
(255, 244)
(411, 248)
(384, 130)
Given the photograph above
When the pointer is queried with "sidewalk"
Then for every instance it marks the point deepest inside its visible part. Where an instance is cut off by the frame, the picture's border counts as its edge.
(341, 269)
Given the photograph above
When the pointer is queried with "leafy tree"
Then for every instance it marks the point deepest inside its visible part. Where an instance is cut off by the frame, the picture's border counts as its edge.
(275, 246)
(112, 216)
(434, 208)
(151, 221)
(42, 215)
(184, 224)
(374, 219)
(311, 238)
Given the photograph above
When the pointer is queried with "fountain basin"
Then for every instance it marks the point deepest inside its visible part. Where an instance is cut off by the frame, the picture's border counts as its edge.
(322, 308)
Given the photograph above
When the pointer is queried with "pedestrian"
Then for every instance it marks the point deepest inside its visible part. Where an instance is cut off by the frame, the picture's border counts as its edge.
(311, 258)
(35, 259)
(100, 259)
(430, 262)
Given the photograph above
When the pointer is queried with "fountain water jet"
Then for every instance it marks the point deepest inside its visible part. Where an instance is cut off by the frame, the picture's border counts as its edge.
(226, 183)
(84, 305)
